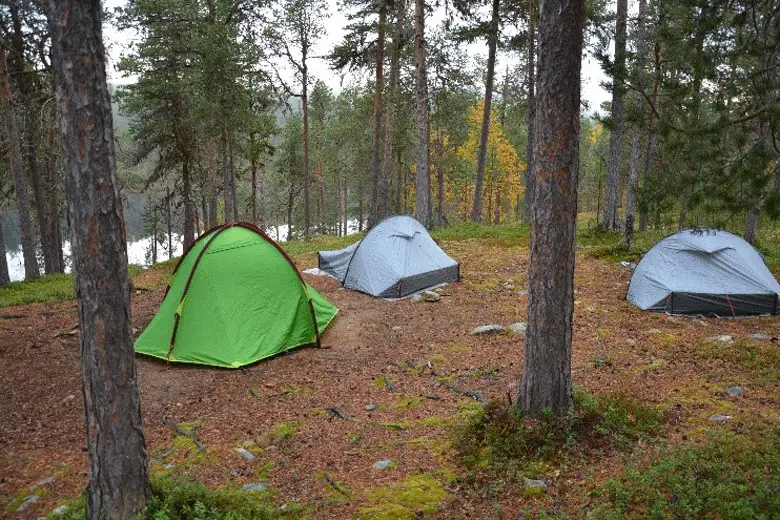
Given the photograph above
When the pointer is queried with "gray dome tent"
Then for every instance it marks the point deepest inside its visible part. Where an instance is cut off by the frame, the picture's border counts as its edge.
(397, 257)
(704, 271)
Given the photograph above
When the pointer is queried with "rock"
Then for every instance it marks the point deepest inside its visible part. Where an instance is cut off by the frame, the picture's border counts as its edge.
(370, 407)
(383, 464)
(518, 328)
(654, 331)
(670, 319)
(535, 484)
(523, 292)
(68, 399)
(170, 465)
(60, 510)
(735, 391)
(509, 286)
(487, 329)
(430, 296)
(416, 298)
(631, 342)
(628, 265)
(28, 501)
(719, 417)
(762, 337)
(45, 481)
(724, 338)
(246, 455)
(600, 361)
(255, 486)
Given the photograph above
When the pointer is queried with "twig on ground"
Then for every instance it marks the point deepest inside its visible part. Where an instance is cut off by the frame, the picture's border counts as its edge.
(335, 412)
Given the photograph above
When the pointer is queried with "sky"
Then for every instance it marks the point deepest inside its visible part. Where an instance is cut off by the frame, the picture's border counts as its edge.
(592, 74)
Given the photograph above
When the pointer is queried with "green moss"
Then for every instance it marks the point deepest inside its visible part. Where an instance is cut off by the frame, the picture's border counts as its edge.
(417, 495)
(760, 359)
(279, 433)
(459, 349)
(406, 402)
(383, 382)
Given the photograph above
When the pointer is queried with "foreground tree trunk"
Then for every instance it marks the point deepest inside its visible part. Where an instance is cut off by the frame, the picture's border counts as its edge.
(612, 194)
(5, 277)
(376, 159)
(422, 182)
(17, 171)
(531, 77)
(118, 475)
(637, 131)
(476, 208)
(546, 382)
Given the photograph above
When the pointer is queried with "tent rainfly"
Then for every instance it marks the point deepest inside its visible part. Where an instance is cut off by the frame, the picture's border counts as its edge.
(396, 258)
(707, 272)
(235, 298)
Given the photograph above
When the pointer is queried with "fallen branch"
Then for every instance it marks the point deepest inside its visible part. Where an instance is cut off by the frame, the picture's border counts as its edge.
(190, 436)
(464, 391)
(336, 486)
(335, 412)
(20, 316)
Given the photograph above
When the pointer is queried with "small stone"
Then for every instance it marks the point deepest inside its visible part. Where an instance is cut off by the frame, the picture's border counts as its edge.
(383, 464)
(68, 399)
(370, 407)
(246, 455)
(670, 319)
(430, 296)
(631, 342)
(654, 331)
(535, 484)
(487, 329)
(416, 298)
(600, 361)
(135, 331)
(509, 286)
(45, 481)
(523, 292)
(396, 328)
(719, 417)
(60, 510)
(28, 501)
(255, 486)
(735, 391)
(170, 465)
(519, 327)
(724, 338)
(762, 337)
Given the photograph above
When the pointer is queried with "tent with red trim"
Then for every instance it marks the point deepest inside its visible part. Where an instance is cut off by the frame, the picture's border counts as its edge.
(235, 298)
(704, 271)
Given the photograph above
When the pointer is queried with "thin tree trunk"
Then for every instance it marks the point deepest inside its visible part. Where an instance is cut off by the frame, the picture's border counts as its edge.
(227, 192)
(637, 131)
(360, 209)
(612, 198)
(118, 467)
(253, 168)
(376, 159)
(546, 381)
(290, 202)
(306, 168)
(5, 277)
(17, 171)
(213, 221)
(384, 199)
(751, 223)
(422, 181)
(232, 166)
(476, 208)
(344, 195)
(652, 140)
(531, 86)
(400, 180)
(440, 177)
(320, 172)
(169, 222)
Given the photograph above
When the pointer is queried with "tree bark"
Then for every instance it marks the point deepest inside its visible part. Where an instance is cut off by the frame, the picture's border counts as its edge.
(652, 139)
(612, 194)
(637, 130)
(376, 160)
(189, 207)
(306, 168)
(227, 192)
(476, 208)
(751, 223)
(253, 168)
(17, 171)
(118, 475)
(531, 86)
(422, 182)
(546, 381)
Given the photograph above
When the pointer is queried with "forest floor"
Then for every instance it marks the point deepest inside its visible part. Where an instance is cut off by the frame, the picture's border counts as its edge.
(389, 368)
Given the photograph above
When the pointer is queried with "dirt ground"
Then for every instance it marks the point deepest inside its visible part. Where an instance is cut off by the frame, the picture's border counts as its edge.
(279, 409)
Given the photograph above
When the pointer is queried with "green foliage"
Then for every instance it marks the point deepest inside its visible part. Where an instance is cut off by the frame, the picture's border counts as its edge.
(760, 359)
(414, 497)
(500, 234)
(500, 441)
(730, 477)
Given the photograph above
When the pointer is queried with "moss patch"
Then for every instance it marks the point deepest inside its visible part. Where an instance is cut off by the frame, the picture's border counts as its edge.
(415, 496)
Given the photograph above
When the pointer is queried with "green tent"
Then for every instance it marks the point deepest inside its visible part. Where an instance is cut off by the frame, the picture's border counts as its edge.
(235, 298)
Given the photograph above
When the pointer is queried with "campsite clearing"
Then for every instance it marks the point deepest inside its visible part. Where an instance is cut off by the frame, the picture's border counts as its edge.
(389, 384)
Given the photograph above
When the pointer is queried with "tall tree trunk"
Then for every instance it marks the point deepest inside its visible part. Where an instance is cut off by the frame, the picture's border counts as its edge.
(637, 130)
(189, 207)
(652, 139)
(422, 182)
(344, 194)
(531, 87)
(612, 197)
(440, 177)
(751, 223)
(320, 172)
(361, 217)
(253, 168)
(227, 192)
(400, 181)
(5, 277)
(476, 208)
(384, 199)
(17, 171)
(169, 221)
(290, 202)
(306, 168)
(118, 474)
(232, 165)
(204, 208)
(376, 159)
(546, 381)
